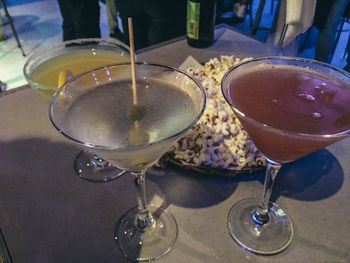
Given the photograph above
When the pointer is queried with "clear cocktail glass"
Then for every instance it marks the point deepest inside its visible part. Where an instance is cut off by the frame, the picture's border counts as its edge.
(97, 110)
(48, 68)
(290, 107)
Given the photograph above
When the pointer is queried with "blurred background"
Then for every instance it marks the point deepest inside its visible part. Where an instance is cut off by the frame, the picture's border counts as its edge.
(38, 23)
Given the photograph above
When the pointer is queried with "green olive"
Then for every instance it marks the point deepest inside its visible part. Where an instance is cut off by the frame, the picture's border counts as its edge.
(136, 112)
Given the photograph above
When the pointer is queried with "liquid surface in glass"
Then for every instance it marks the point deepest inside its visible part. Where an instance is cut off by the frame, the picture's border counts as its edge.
(293, 99)
(101, 116)
(75, 61)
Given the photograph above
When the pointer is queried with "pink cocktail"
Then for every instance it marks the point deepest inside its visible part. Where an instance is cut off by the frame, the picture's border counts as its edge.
(290, 107)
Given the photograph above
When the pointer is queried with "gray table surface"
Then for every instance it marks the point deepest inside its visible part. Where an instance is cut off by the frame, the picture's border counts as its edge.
(47, 214)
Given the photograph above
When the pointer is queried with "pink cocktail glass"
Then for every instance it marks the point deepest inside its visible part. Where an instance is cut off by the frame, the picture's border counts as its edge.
(290, 107)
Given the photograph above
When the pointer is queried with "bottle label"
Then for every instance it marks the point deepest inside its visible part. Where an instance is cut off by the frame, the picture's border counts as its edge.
(193, 20)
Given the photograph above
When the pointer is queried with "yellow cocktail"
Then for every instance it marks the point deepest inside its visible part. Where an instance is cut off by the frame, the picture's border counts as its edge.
(43, 68)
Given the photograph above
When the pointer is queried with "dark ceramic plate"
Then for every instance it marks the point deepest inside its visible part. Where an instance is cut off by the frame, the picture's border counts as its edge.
(208, 170)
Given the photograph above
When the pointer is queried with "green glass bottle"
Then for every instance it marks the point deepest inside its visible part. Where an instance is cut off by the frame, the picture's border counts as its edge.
(200, 22)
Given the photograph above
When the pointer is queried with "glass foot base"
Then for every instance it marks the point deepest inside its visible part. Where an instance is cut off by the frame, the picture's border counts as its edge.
(270, 238)
(145, 245)
(90, 167)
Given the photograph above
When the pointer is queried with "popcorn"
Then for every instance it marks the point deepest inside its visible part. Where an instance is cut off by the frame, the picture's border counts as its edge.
(218, 140)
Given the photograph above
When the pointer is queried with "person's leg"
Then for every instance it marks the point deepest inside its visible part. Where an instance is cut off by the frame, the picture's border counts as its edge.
(326, 37)
(167, 20)
(111, 16)
(136, 10)
(87, 18)
(68, 27)
(140, 27)
(347, 67)
(2, 34)
(113, 24)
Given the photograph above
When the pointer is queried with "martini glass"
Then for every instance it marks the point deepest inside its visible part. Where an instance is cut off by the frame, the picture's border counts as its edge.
(96, 110)
(49, 68)
(290, 107)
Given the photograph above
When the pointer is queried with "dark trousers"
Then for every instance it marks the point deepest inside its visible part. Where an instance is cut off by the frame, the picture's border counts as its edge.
(81, 19)
(327, 19)
(154, 21)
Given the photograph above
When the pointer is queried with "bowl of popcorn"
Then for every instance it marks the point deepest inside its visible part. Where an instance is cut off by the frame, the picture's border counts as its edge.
(217, 144)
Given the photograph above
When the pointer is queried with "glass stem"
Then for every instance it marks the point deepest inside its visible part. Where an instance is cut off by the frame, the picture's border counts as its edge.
(143, 218)
(260, 215)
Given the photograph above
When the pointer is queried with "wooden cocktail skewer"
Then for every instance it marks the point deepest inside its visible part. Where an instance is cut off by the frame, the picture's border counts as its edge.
(136, 112)
(132, 60)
